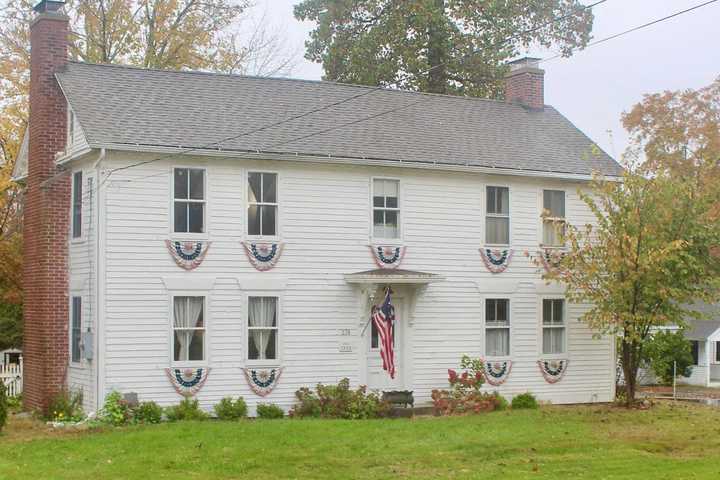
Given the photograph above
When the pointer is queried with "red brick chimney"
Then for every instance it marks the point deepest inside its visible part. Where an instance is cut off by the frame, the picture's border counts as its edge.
(525, 83)
(46, 214)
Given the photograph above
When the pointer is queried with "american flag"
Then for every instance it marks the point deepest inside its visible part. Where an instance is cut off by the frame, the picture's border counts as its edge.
(384, 317)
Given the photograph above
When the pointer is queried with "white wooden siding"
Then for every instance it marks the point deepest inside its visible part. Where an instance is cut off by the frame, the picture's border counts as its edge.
(325, 224)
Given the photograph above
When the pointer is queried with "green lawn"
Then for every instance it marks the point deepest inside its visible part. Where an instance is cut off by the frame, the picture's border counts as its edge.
(667, 442)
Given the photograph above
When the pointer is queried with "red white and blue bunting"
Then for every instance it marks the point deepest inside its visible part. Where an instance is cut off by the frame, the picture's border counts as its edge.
(553, 370)
(497, 372)
(551, 258)
(187, 381)
(263, 256)
(187, 255)
(387, 256)
(496, 261)
(262, 382)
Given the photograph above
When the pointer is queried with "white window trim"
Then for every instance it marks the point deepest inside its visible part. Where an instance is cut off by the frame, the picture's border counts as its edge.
(399, 209)
(566, 325)
(485, 215)
(78, 362)
(510, 328)
(206, 319)
(276, 362)
(246, 191)
(206, 201)
(70, 127)
(541, 205)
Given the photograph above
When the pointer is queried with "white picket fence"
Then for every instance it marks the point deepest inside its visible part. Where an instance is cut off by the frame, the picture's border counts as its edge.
(11, 375)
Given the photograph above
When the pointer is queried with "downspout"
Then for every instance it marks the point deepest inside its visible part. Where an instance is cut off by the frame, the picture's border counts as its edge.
(99, 274)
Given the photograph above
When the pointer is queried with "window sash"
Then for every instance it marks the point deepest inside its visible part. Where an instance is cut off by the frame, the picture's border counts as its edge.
(76, 329)
(185, 205)
(192, 333)
(554, 204)
(553, 326)
(492, 349)
(553, 339)
(263, 342)
(77, 205)
(386, 228)
(261, 208)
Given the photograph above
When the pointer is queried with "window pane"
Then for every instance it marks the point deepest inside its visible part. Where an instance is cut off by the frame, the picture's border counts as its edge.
(379, 188)
(553, 339)
(497, 342)
(269, 181)
(262, 344)
(491, 204)
(695, 351)
(77, 205)
(196, 212)
(547, 311)
(378, 201)
(76, 329)
(717, 352)
(391, 223)
(554, 203)
(181, 183)
(498, 200)
(558, 306)
(391, 188)
(490, 310)
(197, 184)
(253, 220)
(181, 217)
(502, 311)
(498, 231)
(550, 233)
(374, 336)
(196, 350)
(268, 219)
(254, 187)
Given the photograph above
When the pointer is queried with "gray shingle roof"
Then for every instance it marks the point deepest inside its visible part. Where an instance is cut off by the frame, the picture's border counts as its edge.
(132, 106)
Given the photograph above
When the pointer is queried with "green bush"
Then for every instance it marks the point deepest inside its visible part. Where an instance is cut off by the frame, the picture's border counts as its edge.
(188, 409)
(14, 403)
(3, 406)
(338, 401)
(664, 348)
(269, 411)
(66, 407)
(524, 401)
(148, 412)
(229, 409)
(501, 402)
(116, 410)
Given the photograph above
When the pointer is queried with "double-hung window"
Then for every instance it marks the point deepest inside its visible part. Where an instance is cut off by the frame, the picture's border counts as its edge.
(497, 327)
(77, 193)
(262, 204)
(262, 328)
(497, 216)
(386, 208)
(553, 216)
(553, 326)
(695, 352)
(189, 329)
(189, 201)
(75, 328)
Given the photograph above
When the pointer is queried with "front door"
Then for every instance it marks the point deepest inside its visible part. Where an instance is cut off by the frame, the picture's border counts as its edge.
(377, 378)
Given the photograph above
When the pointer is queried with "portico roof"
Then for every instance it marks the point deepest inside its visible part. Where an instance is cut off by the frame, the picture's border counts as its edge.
(392, 275)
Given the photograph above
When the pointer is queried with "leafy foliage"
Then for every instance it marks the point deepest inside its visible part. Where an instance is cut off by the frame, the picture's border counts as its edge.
(187, 409)
(464, 395)
(269, 411)
(116, 410)
(441, 46)
(148, 412)
(229, 409)
(339, 401)
(524, 401)
(664, 348)
(66, 406)
(3, 406)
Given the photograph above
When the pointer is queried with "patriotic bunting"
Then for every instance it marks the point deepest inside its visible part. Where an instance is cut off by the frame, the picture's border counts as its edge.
(551, 258)
(496, 261)
(553, 370)
(187, 255)
(387, 256)
(496, 373)
(187, 381)
(263, 256)
(262, 382)
(383, 318)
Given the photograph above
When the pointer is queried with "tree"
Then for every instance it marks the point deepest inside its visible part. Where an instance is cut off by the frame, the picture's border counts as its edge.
(441, 46)
(669, 354)
(648, 259)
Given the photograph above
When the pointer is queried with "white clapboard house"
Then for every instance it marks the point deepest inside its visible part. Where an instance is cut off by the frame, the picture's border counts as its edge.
(228, 236)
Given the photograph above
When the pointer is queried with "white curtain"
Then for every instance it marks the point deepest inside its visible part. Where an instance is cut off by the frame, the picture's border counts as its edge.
(497, 342)
(188, 314)
(498, 230)
(553, 340)
(261, 313)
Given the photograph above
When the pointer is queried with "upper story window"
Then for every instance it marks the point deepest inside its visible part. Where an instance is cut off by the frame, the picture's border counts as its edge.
(497, 327)
(77, 194)
(188, 329)
(553, 326)
(497, 216)
(262, 328)
(553, 216)
(75, 328)
(386, 208)
(262, 204)
(189, 200)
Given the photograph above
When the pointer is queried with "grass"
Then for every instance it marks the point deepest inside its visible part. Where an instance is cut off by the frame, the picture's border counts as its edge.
(669, 441)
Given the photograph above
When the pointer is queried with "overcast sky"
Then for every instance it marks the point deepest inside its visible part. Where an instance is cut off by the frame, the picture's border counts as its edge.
(593, 87)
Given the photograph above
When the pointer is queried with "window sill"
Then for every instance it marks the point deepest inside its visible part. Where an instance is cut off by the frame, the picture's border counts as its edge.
(497, 245)
(263, 363)
(199, 364)
(188, 237)
(262, 239)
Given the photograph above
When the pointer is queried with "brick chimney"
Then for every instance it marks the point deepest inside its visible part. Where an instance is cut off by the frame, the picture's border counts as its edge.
(46, 214)
(525, 83)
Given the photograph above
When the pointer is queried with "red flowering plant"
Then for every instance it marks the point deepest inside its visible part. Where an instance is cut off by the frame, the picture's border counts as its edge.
(464, 395)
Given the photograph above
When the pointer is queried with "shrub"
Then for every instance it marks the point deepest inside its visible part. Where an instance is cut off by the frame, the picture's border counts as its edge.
(228, 409)
(148, 412)
(188, 409)
(464, 395)
(269, 411)
(524, 401)
(501, 402)
(66, 407)
(14, 403)
(116, 410)
(3, 406)
(664, 348)
(339, 401)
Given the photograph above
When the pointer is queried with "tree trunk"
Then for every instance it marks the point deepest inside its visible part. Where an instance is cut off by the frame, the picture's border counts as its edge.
(630, 364)
(437, 49)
